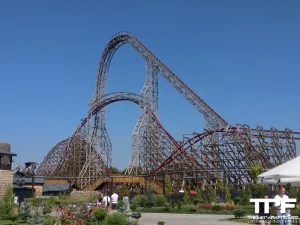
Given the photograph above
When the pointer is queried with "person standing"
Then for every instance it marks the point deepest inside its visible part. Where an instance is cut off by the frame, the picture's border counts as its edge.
(114, 200)
(106, 201)
(282, 221)
(264, 218)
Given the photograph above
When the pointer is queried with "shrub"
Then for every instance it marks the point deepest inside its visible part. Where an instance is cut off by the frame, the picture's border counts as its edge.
(138, 200)
(13, 217)
(133, 207)
(205, 206)
(228, 207)
(36, 218)
(6, 203)
(172, 204)
(217, 208)
(100, 214)
(179, 205)
(160, 201)
(160, 223)
(238, 213)
(120, 204)
(149, 199)
(166, 209)
(190, 208)
(24, 212)
(115, 219)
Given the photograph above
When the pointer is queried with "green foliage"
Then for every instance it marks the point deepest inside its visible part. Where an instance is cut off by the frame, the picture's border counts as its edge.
(216, 208)
(255, 170)
(12, 216)
(211, 195)
(187, 197)
(244, 196)
(51, 200)
(49, 221)
(160, 201)
(227, 197)
(62, 196)
(168, 185)
(35, 202)
(166, 209)
(172, 204)
(238, 213)
(36, 218)
(124, 191)
(24, 212)
(138, 200)
(133, 207)
(46, 209)
(199, 195)
(115, 170)
(149, 203)
(220, 183)
(120, 204)
(179, 205)
(292, 190)
(189, 208)
(100, 215)
(7, 202)
(160, 223)
(115, 219)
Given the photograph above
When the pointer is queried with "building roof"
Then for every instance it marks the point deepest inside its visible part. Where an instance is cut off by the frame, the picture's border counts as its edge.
(4, 152)
(28, 180)
(55, 187)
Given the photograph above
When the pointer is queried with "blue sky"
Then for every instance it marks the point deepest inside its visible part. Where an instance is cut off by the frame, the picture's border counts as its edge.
(241, 57)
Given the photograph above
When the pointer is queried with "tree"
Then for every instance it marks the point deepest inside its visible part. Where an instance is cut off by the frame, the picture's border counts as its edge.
(7, 202)
(227, 197)
(115, 170)
(255, 170)
(100, 215)
(168, 185)
(124, 191)
(24, 212)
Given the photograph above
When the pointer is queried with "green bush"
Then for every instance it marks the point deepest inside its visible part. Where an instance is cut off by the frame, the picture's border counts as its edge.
(138, 200)
(238, 213)
(172, 204)
(120, 204)
(179, 205)
(160, 223)
(160, 201)
(6, 203)
(149, 203)
(217, 208)
(166, 209)
(12, 217)
(100, 215)
(115, 219)
(189, 208)
(133, 207)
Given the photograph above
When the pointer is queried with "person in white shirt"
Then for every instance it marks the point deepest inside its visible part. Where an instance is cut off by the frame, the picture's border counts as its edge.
(106, 201)
(114, 200)
(282, 195)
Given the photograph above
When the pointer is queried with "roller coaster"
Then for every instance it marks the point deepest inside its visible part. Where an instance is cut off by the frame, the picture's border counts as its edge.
(222, 150)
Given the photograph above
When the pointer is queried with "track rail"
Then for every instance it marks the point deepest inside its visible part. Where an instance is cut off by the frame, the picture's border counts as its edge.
(214, 120)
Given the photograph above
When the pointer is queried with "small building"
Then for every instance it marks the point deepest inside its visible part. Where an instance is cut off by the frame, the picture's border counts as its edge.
(6, 172)
(55, 189)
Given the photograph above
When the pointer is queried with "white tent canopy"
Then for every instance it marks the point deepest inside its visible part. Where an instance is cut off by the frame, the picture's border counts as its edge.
(288, 172)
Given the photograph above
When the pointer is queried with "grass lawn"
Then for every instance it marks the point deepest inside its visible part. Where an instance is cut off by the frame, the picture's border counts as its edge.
(9, 222)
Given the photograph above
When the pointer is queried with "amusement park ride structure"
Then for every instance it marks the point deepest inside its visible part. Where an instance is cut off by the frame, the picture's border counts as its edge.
(221, 150)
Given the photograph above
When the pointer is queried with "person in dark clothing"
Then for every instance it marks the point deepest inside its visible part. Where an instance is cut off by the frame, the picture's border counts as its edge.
(264, 218)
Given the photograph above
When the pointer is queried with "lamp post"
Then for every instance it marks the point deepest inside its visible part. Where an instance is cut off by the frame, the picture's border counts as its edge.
(33, 167)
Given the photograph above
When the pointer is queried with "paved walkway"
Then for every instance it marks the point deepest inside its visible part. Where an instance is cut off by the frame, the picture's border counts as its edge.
(185, 219)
